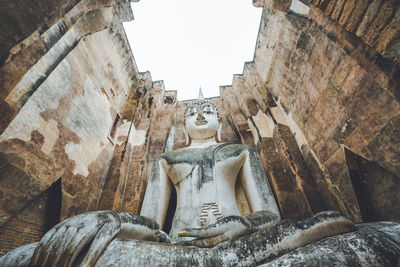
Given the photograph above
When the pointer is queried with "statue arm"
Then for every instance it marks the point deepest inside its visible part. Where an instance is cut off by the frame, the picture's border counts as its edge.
(158, 192)
(258, 191)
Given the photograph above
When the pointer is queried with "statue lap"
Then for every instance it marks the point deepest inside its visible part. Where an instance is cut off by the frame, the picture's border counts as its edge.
(371, 244)
(322, 240)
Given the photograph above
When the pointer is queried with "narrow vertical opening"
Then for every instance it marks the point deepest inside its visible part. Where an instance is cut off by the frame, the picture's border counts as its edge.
(113, 131)
(171, 210)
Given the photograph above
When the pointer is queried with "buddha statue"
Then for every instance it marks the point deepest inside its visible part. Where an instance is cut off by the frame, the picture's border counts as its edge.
(208, 228)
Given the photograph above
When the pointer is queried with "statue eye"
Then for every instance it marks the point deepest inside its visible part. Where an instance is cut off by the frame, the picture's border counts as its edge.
(191, 112)
(208, 112)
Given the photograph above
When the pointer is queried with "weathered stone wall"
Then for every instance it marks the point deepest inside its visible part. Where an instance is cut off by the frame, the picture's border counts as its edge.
(36, 17)
(333, 92)
(33, 60)
(61, 90)
(377, 23)
(62, 130)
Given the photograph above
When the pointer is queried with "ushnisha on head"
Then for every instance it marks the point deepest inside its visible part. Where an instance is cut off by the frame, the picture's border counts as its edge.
(201, 121)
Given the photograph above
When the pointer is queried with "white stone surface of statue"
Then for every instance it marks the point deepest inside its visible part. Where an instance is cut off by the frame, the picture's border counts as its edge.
(204, 175)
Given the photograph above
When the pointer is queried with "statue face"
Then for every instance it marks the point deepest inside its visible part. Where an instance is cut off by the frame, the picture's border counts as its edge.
(202, 122)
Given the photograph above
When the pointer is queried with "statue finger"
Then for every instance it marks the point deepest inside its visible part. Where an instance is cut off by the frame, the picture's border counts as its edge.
(82, 237)
(138, 227)
(236, 226)
(90, 223)
(215, 240)
(209, 231)
(208, 242)
(163, 237)
(42, 243)
(238, 231)
(226, 225)
(61, 246)
(45, 253)
(105, 235)
(40, 249)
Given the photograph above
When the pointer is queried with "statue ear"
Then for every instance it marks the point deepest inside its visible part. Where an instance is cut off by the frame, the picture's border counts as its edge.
(219, 131)
(187, 138)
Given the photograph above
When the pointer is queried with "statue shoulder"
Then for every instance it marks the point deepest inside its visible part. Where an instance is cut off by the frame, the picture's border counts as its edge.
(236, 147)
(173, 153)
(232, 150)
(182, 155)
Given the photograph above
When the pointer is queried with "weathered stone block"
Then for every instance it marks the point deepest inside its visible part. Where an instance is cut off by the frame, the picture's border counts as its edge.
(385, 148)
(290, 196)
(322, 180)
(347, 11)
(376, 189)
(329, 7)
(382, 19)
(388, 35)
(290, 152)
(338, 9)
(357, 15)
(337, 169)
(368, 17)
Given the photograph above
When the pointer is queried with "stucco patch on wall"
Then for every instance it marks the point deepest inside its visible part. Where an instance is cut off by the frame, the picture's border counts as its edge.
(264, 124)
(137, 137)
(47, 96)
(90, 119)
(122, 132)
(300, 8)
(286, 119)
(51, 134)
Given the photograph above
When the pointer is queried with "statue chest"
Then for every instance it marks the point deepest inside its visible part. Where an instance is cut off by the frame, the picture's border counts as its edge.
(197, 168)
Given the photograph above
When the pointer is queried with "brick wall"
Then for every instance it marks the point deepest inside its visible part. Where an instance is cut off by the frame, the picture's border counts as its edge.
(35, 219)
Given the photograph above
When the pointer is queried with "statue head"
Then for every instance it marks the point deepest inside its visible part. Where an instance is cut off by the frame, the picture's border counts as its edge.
(201, 121)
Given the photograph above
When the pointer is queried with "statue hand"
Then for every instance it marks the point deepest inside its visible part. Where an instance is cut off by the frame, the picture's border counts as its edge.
(223, 230)
(262, 219)
(63, 243)
(163, 236)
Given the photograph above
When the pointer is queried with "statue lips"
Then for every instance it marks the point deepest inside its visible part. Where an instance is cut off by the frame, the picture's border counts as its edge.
(201, 122)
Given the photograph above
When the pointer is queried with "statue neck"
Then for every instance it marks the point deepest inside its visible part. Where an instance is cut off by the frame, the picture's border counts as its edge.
(202, 143)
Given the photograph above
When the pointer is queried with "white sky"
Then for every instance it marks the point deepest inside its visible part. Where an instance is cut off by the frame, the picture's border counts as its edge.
(193, 43)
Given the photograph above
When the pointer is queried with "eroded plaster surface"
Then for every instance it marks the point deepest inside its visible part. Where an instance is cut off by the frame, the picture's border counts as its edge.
(46, 97)
(88, 118)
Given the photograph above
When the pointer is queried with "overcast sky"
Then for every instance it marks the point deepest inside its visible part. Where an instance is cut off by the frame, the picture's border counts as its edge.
(193, 43)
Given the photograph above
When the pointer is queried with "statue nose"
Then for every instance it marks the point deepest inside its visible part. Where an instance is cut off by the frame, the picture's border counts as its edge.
(200, 116)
